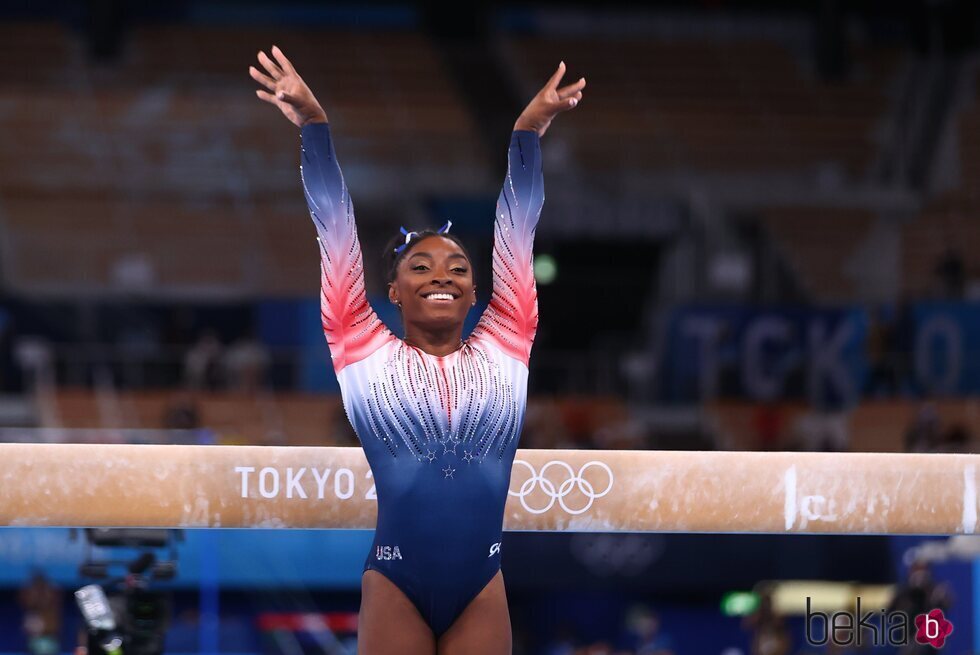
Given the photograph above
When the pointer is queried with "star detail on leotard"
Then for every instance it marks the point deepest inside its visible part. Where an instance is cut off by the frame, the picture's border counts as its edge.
(468, 456)
(429, 455)
(449, 471)
(445, 444)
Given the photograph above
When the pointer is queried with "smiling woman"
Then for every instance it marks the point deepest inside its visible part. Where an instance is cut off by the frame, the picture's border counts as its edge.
(430, 279)
(438, 418)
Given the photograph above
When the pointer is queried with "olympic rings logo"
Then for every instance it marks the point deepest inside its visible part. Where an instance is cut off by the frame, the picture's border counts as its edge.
(558, 494)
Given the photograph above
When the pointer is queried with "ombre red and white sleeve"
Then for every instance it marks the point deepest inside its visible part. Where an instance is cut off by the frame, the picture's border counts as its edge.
(510, 321)
(352, 328)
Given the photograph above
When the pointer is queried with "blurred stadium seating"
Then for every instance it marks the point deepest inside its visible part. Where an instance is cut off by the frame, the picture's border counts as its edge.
(708, 105)
(163, 173)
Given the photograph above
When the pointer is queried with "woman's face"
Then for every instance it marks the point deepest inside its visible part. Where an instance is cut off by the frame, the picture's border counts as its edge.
(434, 284)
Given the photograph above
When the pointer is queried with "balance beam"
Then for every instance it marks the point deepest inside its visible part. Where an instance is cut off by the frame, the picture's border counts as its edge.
(88, 485)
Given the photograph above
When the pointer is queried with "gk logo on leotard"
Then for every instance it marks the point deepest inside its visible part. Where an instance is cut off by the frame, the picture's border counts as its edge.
(387, 552)
(494, 549)
(560, 491)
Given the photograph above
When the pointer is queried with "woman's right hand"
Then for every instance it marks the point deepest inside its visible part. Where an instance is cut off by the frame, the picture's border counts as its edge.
(286, 89)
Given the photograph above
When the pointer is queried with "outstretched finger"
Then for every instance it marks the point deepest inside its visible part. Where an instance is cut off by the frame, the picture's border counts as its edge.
(556, 78)
(270, 66)
(262, 79)
(281, 59)
(265, 95)
(571, 89)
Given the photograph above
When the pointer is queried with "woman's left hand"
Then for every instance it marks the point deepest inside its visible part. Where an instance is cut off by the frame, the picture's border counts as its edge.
(550, 102)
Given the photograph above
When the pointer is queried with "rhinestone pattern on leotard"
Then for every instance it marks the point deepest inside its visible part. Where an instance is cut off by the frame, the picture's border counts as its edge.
(422, 409)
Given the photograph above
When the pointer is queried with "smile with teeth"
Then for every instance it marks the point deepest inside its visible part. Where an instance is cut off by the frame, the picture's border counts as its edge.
(439, 297)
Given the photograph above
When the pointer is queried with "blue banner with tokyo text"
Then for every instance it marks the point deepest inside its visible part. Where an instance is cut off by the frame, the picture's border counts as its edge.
(831, 356)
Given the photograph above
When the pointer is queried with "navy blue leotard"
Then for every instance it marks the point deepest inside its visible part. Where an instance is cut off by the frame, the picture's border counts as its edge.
(439, 433)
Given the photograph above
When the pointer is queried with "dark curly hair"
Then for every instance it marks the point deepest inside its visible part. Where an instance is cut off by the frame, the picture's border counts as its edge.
(391, 258)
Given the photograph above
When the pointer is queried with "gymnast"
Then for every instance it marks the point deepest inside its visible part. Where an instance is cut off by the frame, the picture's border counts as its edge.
(438, 417)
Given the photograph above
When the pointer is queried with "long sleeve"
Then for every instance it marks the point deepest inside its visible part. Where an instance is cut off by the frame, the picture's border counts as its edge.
(352, 328)
(511, 319)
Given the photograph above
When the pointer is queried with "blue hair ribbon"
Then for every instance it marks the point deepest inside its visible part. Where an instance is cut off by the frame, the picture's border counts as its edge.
(413, 233)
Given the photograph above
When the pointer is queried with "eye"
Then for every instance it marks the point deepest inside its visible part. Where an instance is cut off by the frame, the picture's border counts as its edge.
(459, 269)
(419, 267)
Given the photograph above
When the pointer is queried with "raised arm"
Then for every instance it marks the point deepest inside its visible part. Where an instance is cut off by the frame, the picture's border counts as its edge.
(350, 324)
(352, 328)
(511, 319)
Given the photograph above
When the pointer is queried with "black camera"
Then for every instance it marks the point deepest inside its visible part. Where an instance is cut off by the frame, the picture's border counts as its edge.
(123, 615)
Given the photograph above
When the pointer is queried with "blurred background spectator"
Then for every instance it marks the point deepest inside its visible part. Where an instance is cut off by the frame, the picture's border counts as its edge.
(41, 603)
